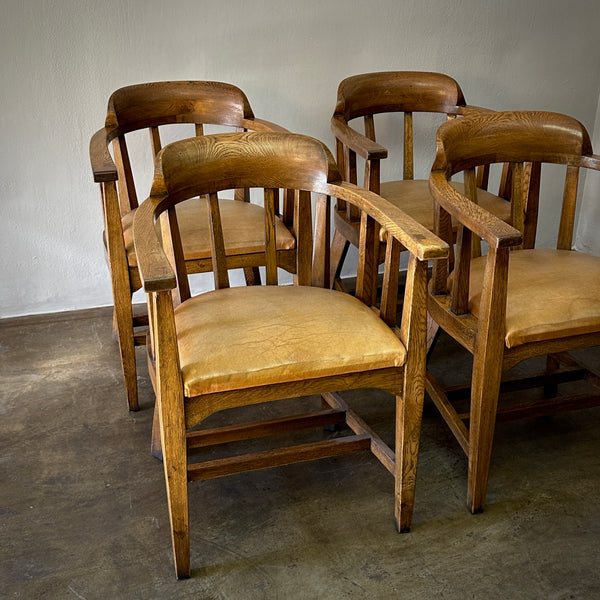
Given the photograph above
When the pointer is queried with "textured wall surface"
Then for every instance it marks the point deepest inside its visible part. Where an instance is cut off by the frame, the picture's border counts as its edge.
(63, 59)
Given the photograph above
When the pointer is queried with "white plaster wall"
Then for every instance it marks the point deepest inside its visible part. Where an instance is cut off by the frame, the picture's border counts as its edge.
(62, 59)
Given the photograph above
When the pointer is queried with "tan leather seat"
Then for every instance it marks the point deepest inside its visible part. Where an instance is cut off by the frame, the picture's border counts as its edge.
(237, 347)
(408, 195)
(517, 302)
(350, 336)
(551, 294)
(242, 222)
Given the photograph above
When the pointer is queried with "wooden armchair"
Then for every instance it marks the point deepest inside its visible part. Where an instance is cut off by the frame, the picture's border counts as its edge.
(518, 301)
(191, 105)
(240, 346)
(366, 96)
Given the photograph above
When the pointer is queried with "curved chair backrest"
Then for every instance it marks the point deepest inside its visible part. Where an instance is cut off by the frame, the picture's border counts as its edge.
(525, 140)
(518, 301)
(150, 105)
(510, 136)
(210, 164)
(397, 91)
(160, 103)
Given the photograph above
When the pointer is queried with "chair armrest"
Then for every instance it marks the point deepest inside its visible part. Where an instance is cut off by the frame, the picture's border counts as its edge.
(418, 240)
(361, 144)
(472, 111)
(155, 269)
(487, 226)
(268, 126)
(591, 161)
(103, 166)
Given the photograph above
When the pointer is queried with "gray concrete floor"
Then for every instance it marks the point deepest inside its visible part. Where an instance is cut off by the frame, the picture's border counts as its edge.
(83, 510)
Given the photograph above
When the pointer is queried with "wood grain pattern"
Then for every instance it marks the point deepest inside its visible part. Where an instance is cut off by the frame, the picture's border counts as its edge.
(364, 97)
(150, 106)
(304, 166)
(520, 141)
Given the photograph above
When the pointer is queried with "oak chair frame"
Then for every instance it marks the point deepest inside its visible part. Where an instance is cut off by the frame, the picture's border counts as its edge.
(525, 140)
(150, 106)
(366, 96)
(270, 161)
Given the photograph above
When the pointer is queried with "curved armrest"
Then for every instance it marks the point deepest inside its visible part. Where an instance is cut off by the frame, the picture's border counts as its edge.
(472, 111)
(418, 240)
(591, 161)
(487, 226)
(155, 269)
(265, 125)
(361, 144)
(103, 166)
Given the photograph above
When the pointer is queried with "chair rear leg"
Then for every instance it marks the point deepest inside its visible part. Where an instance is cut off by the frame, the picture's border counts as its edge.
(252, 275)
(123, 316)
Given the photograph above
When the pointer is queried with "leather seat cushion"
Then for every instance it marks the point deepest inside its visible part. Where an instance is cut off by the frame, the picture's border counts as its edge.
(251, 336)
(551, 294)
(243, 229)
(413, 197)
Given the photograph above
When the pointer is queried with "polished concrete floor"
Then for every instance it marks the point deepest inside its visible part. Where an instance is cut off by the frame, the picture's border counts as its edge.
(83, 510)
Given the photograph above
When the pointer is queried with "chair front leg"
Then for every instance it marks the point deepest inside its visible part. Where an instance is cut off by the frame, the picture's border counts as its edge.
(487, 373)
(409, 408)
(172, 430)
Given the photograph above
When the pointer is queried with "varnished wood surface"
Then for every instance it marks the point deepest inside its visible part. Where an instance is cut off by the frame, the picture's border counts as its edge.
(523, 140)
(302, 165)
(363, 97)
(150, 106)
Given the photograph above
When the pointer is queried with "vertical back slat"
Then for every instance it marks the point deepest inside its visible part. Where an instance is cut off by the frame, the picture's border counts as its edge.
(321, 267)
(303, 228)
(155, 140)
(341, 163)
(389, 290)
(270, 239)
(370, 127)
(372, 175)
(532, 205)
(174, 249)
(199, 129)
(242, 195)
(470, 181)
(408, 146)
(443, 229)
(483, 177)
(517, 202)
(567, 217)
(219, 260)
(460, 284)
(287, 215)
(350, 163)
(368, 250)
(505, 181)
(352, 213)
(127, 194)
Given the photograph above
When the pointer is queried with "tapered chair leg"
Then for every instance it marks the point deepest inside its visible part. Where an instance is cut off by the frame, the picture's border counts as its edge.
(408, 432)
(123, 316)
(176, 481)
(484, 404)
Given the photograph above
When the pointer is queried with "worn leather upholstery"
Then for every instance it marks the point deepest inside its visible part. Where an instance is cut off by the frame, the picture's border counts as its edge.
(332, 333)
(551, 294)
(243, 223)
